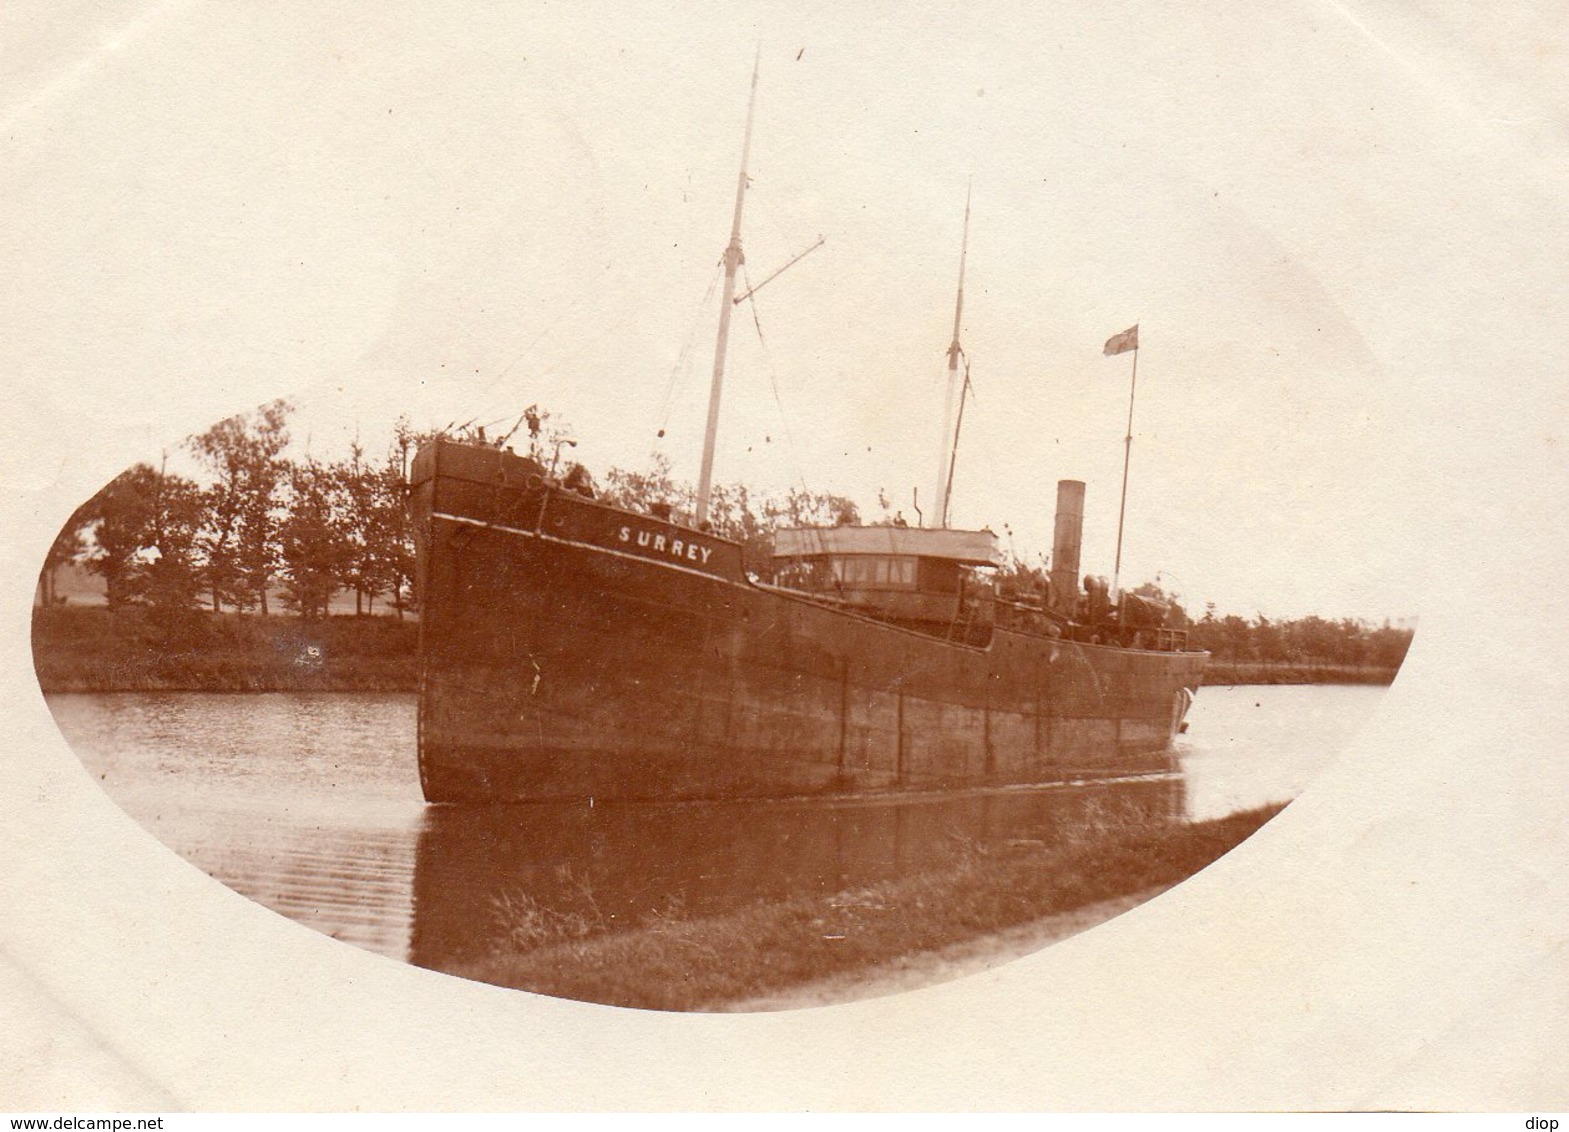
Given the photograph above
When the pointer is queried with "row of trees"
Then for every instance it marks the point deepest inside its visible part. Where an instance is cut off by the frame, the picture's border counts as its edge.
(263, 523)
(1310, 640)
(1306, 640)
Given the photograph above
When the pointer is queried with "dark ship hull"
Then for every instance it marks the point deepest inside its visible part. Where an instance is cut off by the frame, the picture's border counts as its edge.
(575, 650)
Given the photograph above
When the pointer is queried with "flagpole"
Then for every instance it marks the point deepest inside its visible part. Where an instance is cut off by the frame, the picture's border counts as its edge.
(1127, 454)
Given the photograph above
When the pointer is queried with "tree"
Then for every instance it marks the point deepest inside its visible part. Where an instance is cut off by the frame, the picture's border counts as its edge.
(733, 511)
(731, 514)
(803, 508)
(169, 581)
(397, 537)
(408, 440)
(313, 545)
(239, 545)
(397, 540)
(1176, 616)
(1269, 640)
(643, 491)
(364, 527)
(68, 546)
(121, 516)
(1388, 645)
(1019, 580)
(143, 538)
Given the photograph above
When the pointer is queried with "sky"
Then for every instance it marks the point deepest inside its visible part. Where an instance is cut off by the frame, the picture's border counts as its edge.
(456, 211)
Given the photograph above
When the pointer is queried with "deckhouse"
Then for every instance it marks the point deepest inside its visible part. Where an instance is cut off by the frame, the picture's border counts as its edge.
(922, 576)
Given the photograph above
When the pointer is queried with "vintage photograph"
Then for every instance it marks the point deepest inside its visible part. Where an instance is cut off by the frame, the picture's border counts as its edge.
(713, 517)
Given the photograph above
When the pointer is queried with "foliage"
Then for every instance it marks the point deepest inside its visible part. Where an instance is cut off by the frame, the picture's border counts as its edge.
(1305, 641)
(143, 528)
(157, 539)
(733, 511)
(170, 580)
(315, 544)
(649, 490)
(390, 534)
(803, 508)
(69, 545)
(372, 522)
(1023, 581)
(120, 515)
(1176, 617)
(239, 541)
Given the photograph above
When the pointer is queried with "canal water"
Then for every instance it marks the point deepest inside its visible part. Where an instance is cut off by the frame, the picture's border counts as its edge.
(310, 805)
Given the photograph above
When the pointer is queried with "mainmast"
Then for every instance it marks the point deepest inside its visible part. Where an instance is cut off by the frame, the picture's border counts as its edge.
(733, 260)
(949, 440)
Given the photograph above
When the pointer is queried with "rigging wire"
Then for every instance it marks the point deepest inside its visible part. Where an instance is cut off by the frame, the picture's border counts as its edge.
(965, 388)
(773, 382)
(684, 355)
(551, 325)
(490, 385)
(988, 452)
(784, 422)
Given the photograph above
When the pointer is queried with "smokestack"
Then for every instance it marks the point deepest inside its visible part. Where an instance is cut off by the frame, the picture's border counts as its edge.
(1065, 543)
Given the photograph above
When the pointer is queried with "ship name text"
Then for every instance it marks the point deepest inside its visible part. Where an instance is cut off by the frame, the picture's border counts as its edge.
(662, 544)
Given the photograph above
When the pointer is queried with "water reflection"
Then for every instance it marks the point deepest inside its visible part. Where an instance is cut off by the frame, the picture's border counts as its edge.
(309, 804)
(352, 885)
(489, 878)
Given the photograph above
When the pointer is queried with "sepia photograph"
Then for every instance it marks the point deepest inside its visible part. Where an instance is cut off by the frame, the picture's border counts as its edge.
(958, 540)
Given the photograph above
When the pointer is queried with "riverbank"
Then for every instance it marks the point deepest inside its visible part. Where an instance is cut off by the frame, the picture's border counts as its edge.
(1219, 672)
(88, 649)
(84, 649)
(956, 960)
(977, 911)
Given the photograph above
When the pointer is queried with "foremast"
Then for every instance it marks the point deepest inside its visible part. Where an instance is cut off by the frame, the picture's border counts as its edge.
(733, 261)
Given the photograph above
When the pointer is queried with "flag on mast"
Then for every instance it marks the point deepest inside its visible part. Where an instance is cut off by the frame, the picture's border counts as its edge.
(1122, 343)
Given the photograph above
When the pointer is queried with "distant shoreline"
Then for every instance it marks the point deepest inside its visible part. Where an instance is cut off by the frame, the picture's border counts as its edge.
(1223, 672)
(91, 650)
(88, 649)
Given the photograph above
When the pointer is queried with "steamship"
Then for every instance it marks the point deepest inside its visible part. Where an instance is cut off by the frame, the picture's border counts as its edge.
(571, 650)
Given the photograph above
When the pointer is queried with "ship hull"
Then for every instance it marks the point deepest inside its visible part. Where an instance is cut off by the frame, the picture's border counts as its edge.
(571, 650)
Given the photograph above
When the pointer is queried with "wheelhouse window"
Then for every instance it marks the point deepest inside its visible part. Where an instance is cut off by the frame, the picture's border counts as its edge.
(874, 572)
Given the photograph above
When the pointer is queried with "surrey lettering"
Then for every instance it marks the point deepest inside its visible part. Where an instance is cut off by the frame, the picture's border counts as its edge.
(660, 543)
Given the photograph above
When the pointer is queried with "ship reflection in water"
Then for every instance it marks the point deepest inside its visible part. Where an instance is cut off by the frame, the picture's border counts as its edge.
(306, 804)
(488, 879)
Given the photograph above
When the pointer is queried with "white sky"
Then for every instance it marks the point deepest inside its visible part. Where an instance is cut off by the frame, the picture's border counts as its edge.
(456, 210)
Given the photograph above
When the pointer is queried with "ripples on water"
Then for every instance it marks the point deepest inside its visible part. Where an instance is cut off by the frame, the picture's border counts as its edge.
(309, 804)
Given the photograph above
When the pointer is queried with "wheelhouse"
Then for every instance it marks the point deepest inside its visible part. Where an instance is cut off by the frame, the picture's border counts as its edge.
(933, 579)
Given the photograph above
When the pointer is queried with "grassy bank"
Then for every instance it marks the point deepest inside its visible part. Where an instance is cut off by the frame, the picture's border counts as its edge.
(135, 650)
(668, 963)
(82, 648)
(1285, 672)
